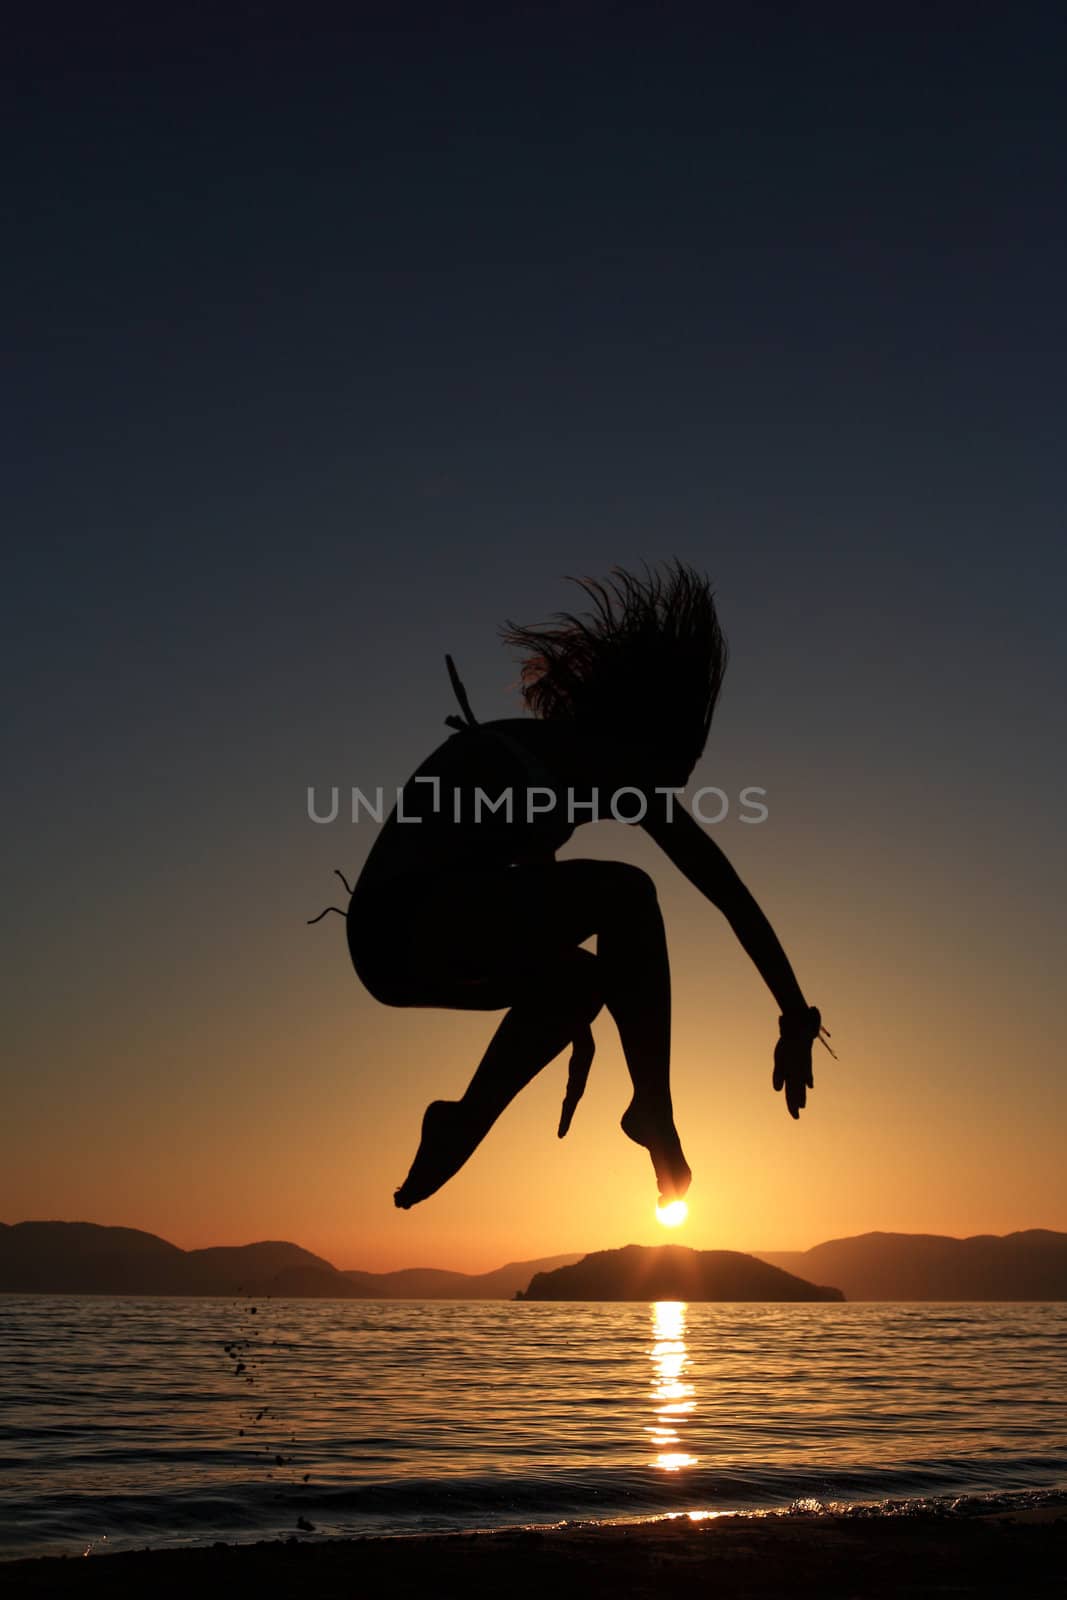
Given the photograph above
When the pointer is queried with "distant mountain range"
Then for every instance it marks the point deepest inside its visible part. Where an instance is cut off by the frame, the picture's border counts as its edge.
(930, 1266)
(672, 1272)
(85, 1258)
(431, 1283)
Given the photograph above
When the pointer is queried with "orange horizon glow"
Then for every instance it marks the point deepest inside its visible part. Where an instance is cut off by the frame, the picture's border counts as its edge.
(228, 1106)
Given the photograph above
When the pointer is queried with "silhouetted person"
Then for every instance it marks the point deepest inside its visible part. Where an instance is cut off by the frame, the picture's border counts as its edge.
(475, 912)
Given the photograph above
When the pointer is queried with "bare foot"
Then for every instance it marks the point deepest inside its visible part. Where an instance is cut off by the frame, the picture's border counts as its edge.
(657, 1134)
(449, 1136)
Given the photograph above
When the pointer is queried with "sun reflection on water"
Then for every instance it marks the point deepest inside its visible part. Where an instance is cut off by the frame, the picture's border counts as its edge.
(672, 1398)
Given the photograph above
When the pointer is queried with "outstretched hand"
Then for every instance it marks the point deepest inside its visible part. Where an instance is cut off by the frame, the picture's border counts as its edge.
(792, 1058)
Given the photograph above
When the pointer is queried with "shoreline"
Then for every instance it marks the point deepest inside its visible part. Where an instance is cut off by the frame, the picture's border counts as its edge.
(730, 1554)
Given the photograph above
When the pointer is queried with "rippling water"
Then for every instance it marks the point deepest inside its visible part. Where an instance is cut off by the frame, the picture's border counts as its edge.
(131, 1422)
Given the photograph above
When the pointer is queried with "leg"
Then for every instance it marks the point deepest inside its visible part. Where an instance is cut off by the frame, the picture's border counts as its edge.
(503, 931)
(564, 1000)
(637, 989)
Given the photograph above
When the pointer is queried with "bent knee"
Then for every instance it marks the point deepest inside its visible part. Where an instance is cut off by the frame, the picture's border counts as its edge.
(625, 887)
(580, 981)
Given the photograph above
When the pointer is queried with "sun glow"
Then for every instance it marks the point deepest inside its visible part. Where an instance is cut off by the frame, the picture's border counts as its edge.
(673, 1214)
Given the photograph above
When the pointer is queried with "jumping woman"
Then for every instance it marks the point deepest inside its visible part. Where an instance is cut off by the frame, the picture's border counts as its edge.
(462, 903)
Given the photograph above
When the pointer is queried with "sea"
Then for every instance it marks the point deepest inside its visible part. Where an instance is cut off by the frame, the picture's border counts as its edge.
(134, 1422)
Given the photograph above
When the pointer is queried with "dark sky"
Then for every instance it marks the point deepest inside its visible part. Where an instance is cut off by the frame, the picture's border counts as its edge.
(331, 345)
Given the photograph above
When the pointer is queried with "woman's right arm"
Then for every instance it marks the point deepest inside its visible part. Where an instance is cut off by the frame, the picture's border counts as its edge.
(699, 859)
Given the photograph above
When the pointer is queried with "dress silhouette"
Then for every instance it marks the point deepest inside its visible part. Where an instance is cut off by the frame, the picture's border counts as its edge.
(468, 908)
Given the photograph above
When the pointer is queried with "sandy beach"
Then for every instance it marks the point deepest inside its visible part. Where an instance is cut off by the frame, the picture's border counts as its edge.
(837, 1555)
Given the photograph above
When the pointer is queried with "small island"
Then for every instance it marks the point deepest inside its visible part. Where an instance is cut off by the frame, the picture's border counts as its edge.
(672, 1272)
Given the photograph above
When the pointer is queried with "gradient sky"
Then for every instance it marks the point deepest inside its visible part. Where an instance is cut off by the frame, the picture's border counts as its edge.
(334, 347)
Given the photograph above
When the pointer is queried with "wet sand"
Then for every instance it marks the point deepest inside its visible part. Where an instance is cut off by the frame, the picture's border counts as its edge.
(1021, 1553)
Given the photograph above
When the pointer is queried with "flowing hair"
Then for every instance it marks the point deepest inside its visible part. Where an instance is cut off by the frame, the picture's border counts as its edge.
(645, 663)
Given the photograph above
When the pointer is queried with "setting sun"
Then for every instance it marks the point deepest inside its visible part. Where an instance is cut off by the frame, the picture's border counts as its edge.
(673, 1214)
